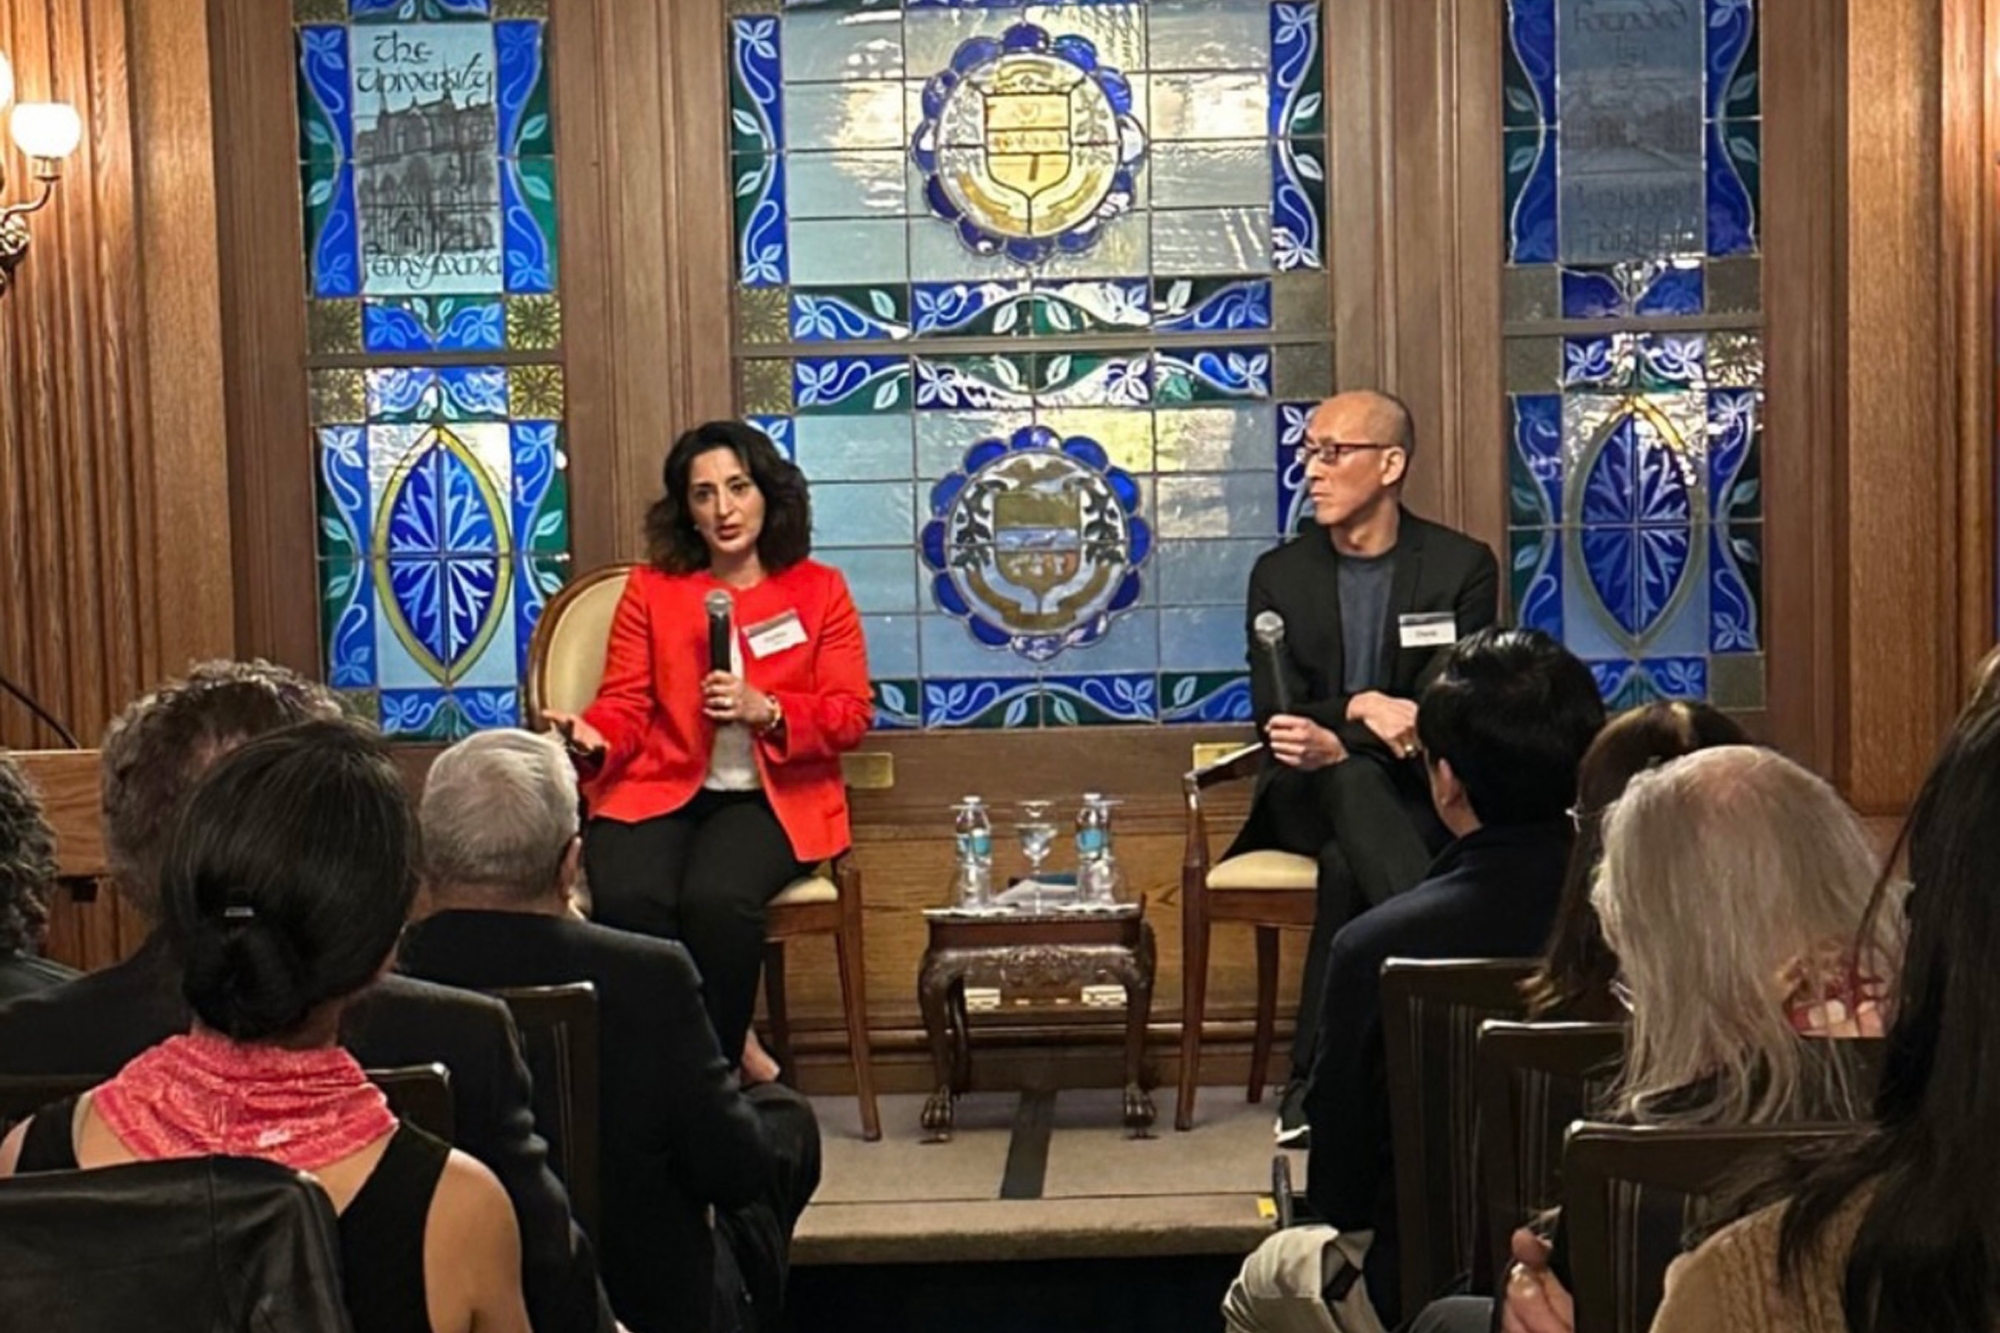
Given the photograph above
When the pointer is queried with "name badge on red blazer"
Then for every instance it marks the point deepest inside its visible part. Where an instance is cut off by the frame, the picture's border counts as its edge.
(780, 632)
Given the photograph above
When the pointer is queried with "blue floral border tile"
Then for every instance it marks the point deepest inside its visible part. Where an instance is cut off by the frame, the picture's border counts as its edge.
(980, 702)
(1211, 305)
(850, 384)
(1294, 501)
(1079, 701)
(897, 704)
(1211, 374)
(1204, 696)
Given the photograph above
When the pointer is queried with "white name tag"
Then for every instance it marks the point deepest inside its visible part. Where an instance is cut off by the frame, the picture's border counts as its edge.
(774, 635)
(1427, 629)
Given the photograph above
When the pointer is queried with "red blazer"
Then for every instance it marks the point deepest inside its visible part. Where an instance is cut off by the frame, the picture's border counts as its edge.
(649, 706)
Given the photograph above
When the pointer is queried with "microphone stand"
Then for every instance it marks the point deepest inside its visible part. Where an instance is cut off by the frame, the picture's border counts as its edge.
(47, 718)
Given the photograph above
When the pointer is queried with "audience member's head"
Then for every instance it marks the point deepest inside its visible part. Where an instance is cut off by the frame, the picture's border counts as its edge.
(1578, 967)
(1503, 728)
(1925, 1255)
(500, 823)
(157, 749)
(1732, 888)
(288, 879)
(27, 863)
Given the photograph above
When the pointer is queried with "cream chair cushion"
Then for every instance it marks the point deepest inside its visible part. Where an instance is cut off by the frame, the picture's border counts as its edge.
(575, 664)
(812, 889)
(1265, 870)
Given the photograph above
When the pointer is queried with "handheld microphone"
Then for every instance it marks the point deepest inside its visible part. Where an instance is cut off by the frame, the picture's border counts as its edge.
(1269, 630)
(719, 609)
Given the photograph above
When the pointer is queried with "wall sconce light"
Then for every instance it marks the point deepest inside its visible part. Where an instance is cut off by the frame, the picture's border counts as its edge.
(47, 132)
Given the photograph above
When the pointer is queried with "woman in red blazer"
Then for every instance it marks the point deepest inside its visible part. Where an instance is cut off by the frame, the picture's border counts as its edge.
(716, 787)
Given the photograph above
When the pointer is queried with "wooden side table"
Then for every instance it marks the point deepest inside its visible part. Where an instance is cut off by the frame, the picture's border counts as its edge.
(1038, 951)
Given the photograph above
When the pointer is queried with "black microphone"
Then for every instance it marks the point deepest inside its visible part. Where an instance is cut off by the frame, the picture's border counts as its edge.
(1269, 629)
(47, 718)
(719, 607)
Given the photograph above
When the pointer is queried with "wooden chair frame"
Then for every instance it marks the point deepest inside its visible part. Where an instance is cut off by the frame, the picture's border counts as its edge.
(841, 919)
(1432, 1254)
(1518, 1175)
(569, 1013)
(1600, 1161)
(1266, 910)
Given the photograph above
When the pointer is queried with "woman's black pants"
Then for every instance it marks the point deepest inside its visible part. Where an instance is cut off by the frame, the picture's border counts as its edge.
(701, 875)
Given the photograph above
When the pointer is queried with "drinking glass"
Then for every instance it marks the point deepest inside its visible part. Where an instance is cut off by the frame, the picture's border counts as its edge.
(1037, 831)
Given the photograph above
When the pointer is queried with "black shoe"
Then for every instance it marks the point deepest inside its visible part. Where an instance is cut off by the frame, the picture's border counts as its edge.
(1292, 1130)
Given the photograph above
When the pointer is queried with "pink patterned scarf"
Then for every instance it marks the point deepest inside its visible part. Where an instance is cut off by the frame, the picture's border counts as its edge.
(199, 1094)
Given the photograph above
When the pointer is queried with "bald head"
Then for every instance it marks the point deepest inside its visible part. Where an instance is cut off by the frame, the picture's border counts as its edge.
(1367, 416)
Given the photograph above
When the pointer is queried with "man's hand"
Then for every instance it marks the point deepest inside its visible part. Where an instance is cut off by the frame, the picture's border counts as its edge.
(1393, 720)
(1536, 1300)
(1303, 743)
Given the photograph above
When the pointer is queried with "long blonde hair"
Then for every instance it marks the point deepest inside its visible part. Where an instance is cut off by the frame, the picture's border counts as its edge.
(1721, 870)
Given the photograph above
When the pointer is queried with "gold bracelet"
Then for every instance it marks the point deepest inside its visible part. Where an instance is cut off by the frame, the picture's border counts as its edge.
(777, 718)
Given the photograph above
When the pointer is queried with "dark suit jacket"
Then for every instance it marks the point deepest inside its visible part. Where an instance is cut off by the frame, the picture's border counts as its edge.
(1491, 894)
(1437, 569)
(677, 1132)
(93, 1025)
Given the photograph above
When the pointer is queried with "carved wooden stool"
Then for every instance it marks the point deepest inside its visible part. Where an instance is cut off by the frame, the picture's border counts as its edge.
(1040, 952)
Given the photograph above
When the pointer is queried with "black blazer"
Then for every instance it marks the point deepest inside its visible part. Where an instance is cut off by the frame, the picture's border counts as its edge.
(1491, 894)
(1437, 569)
(93, 1025)
(678, 1135)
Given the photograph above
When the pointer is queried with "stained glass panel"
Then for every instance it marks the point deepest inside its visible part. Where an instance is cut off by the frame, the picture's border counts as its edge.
(428, 186)
(1635, 509)
(1023, 285)
(425, 151)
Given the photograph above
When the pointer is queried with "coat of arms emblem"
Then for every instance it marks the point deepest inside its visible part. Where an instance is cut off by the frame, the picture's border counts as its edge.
(1037, 542)
(1028, 144)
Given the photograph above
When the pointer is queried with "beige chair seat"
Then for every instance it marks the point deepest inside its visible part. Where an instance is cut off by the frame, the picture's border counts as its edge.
(811, 889)
(1264, 870)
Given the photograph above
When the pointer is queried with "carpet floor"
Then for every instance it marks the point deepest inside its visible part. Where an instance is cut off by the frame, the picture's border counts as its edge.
(1039, 1215)
(1038, 1176)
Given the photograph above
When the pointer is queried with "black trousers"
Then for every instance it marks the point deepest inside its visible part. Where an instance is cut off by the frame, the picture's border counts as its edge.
(700, 875)
(753, 1243)
(1369, 823)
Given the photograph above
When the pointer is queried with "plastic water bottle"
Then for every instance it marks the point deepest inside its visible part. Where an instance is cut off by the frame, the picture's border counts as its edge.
(1093, 849)
(974, 827)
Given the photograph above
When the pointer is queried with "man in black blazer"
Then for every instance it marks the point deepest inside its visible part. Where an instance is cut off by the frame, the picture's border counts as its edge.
(1366, 602)
(152, 756)
(679, 1136)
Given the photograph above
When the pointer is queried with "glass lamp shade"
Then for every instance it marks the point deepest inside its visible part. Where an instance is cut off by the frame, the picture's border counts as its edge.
(6, 81)
(47, 129)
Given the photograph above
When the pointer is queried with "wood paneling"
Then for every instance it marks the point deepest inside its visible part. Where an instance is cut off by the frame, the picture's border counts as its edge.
(110, 438)
(1914, 437)
(114, 555)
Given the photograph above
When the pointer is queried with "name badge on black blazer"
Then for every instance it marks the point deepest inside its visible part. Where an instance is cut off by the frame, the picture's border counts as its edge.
(780, 632)
(1427, 629)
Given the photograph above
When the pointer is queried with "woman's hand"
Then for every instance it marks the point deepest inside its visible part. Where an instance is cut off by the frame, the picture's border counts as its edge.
(582, 740)
(727, 698)
(1536, 1300)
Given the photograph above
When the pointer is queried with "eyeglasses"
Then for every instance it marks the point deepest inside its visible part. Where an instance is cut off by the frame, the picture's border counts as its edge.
(1578, 816)
(1333, 451)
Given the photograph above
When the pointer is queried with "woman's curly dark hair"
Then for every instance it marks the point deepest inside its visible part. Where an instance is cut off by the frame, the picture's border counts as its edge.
(672, 543)
(27, 862)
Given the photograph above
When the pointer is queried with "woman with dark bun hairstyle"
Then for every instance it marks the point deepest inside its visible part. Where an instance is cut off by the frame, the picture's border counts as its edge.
(735, 677)
(285, 886)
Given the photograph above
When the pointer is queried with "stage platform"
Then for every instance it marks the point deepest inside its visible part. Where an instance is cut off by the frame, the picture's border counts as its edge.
(1040, 1176)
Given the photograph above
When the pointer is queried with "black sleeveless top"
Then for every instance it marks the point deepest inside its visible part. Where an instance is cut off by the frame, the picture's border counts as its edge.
(381, 1231)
